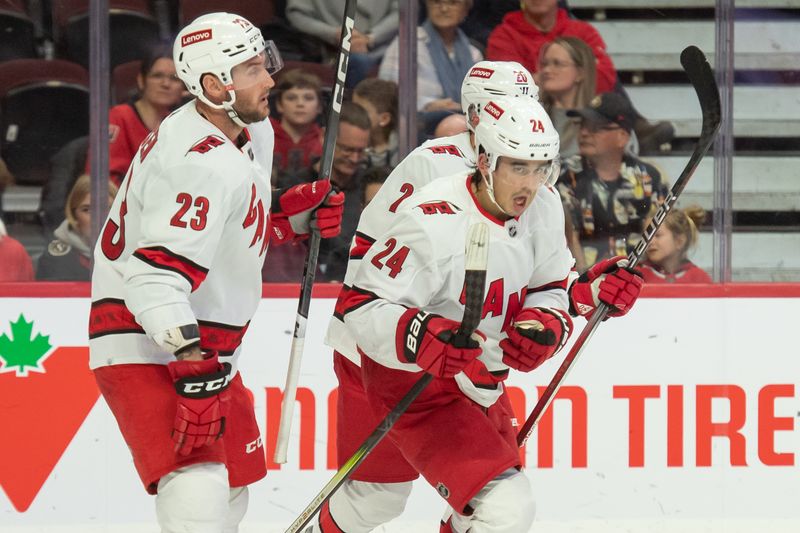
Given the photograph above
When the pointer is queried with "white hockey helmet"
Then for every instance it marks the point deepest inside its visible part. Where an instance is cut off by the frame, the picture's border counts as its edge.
(521, 129)
(494, 79)
(214, 44)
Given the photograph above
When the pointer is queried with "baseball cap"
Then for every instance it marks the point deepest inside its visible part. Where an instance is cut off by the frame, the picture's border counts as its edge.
(608, 107)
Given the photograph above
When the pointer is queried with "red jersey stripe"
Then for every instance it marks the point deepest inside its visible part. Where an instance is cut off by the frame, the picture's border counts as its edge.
(160, 257)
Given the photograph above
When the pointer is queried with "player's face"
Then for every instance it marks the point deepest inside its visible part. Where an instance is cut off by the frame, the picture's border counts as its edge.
(252, 84)
(558, 73)
(665, 246)
(161, 87)
(298, 106)
(516, 182)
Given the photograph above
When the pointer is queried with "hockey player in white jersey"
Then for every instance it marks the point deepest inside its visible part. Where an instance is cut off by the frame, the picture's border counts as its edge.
(436, 158)
(458, 433)
(177, 279)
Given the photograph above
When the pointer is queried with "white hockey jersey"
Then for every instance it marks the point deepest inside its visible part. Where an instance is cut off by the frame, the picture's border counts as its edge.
(419, 263)
(184, 243)
(444, 157)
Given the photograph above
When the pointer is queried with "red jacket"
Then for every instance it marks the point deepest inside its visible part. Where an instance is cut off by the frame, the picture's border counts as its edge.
(16, 262)
(126, 133)
(301, 153)
(687, 273)
(515, 39)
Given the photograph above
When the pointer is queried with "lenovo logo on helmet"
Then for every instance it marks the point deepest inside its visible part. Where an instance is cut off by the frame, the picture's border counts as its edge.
(196, 37)
(479, 72)
(495, 110)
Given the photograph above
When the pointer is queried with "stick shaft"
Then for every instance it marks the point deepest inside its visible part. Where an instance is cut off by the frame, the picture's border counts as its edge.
(310, 268)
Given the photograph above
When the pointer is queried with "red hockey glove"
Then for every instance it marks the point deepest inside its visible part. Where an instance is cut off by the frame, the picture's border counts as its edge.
(430, 341)
(610, 281)
(537, 334)
(297, 206)
(199, 418)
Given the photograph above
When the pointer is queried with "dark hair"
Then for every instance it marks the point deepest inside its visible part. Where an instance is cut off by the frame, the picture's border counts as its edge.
(153, 55)
(297, 79)
(383, 95)
(355, 115)
(373, 175)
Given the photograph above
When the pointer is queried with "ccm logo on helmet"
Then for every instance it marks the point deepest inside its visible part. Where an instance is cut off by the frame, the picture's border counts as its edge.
(479, 72)
(495, 110)
(196, 37)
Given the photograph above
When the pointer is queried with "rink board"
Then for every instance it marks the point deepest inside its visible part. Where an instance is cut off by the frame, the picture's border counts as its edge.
(680, 417)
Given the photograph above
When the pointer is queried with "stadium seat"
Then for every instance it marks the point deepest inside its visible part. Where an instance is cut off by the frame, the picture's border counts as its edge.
(17, 39)
(43, 105)
(259, 12)
(123, 82)
(133, 30)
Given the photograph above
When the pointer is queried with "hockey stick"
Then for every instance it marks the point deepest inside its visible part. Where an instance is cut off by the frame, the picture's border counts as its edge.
(477, 257)
(702, 79)
(310, 268)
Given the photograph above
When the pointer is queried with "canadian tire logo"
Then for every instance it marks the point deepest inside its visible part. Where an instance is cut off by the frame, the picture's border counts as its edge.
(46, 392)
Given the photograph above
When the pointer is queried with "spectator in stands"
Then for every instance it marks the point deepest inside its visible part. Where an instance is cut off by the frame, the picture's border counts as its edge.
(298, 137)
(522, 33)
(444, 56)
(17, 265)
(667, 255)
(66, 166)
(376, 24)
(373, 179)
(379, 99)
(160, 92)
(609, 192)
(566, 78)
(349, 156)
(485, 15)
(69, 257)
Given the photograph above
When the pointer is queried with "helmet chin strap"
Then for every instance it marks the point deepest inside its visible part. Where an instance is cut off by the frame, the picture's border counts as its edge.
(232, 113)
(490, 190)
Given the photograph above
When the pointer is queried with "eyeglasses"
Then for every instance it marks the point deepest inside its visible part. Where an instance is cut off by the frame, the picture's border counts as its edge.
(446, 3)
(555, 63)
(594, 127)
(350, 150)
(163, 76)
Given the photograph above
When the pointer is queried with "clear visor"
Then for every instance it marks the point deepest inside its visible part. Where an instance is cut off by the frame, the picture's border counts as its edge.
(274, 61)
(534, 173)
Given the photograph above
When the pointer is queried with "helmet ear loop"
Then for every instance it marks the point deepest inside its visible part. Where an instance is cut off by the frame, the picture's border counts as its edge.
(232, 113)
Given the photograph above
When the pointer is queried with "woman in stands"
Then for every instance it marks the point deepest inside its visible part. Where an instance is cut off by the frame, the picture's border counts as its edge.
(566, 76)
(667, 260)
(444, 56)
(160, 92)
(69, 256)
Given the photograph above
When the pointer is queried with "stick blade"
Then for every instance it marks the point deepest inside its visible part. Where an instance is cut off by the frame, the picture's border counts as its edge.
(701, 76)
(476, 261)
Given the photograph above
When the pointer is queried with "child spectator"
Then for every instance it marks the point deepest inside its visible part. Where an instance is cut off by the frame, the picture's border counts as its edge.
(17, 265)
(298, 137)
(566, 78)
(69, 256)
(373, 179)
(379, 99)
(667, 260)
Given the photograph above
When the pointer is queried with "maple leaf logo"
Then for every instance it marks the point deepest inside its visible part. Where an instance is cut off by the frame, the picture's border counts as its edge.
(23, 353)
